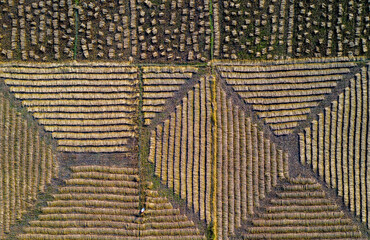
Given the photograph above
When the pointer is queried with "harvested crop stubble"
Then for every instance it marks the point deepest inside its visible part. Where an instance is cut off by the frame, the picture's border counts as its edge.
(98, 109)
(74, 112)
(27, 164)
(104, 128)
(161, 84)
(189, 156)
(252, 29)
(301, 210)
(82, 96)
(345, 128)
(278, 89)
(176, 31)
(109, 212)
(70, 89)
(242, 170)
(346, 29)
(104, 30)
(69, 80)
(190, 147)
(37, 31)
(100, 135)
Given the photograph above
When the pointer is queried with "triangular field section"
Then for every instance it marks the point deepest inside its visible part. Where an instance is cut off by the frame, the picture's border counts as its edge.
(101, 202)
(283, 93)
(300, 209)
(161, 84)
(86, 107)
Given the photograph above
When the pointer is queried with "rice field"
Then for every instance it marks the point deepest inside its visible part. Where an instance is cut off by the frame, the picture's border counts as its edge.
(101, 202)
(184, 119)
(181, 150)
(86, 108)
(214, 141)
(299, 210)
(195, 31)
(336, 144)
(27, 164)
(283, 94)
(175, 31)
(37, 30)
(103, 30)
(270, 29)
(160, 85)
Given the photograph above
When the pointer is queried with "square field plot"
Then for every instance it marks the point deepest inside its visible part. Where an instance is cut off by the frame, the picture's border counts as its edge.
(172, 30)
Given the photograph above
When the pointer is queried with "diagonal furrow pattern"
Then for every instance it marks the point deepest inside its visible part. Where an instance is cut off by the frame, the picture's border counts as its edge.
(336, 145)
(300, 210)
(103, 203)
(27, 164)
(283, 93)
(161, 84)
(87, 108)
(248, 164)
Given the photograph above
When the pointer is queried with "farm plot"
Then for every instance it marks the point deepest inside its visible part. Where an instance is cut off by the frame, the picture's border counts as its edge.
(247, 164)
(37, 30)
(270, 29)
(160, 84)
(103, 203)
(27, 165)
(336, 145)
(331, 28)
(283, 93)
(246, 29)
(301, 210)
(88, 108)
(171, 30)
(180, 148)
(104, 30)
